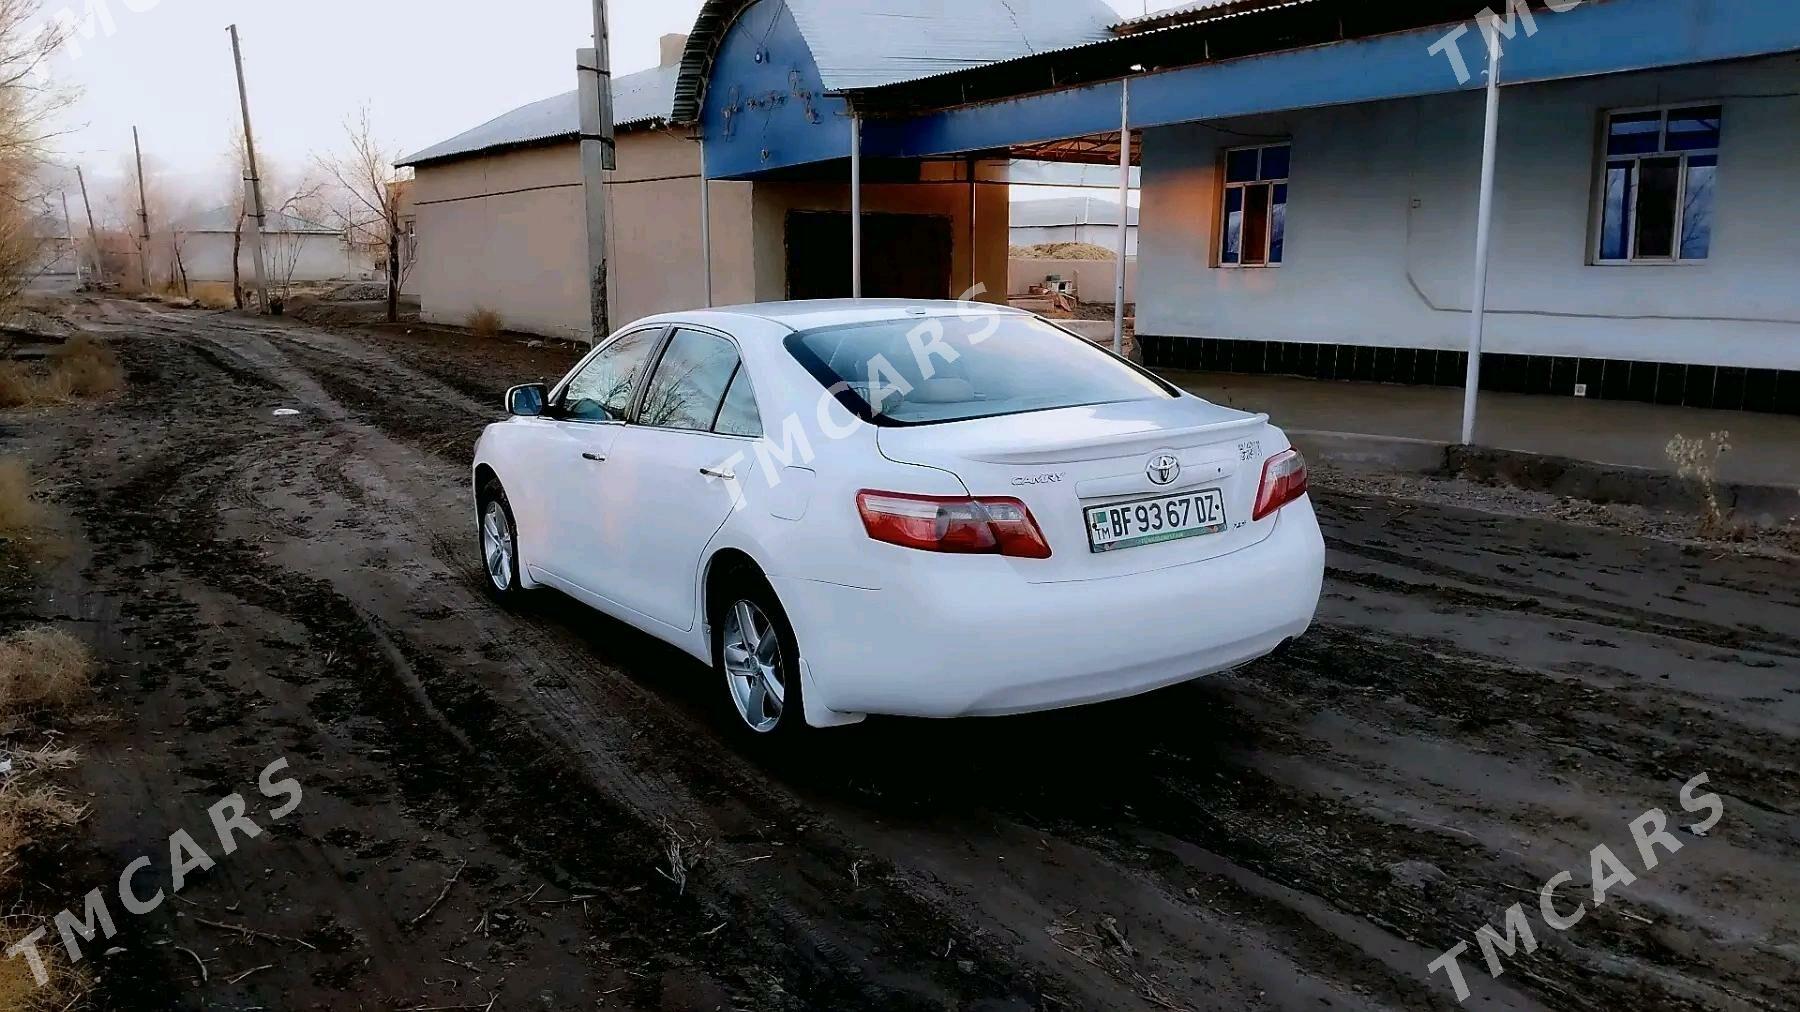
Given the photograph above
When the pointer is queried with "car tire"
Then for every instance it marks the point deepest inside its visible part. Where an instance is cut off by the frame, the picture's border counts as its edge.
(760, 671)
(497, 539)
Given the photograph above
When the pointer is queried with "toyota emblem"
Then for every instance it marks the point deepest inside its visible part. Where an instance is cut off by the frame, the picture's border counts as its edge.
(1164, 469)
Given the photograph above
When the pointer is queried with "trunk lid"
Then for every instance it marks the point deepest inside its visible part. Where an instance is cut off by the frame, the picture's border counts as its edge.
(1060, 463)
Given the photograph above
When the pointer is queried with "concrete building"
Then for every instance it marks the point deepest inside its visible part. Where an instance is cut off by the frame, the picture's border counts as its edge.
(294, 249)
(500, 209)
(1311, 172)
(1310, 178)
(1654, 265)
(1087, 218)
(499, 217)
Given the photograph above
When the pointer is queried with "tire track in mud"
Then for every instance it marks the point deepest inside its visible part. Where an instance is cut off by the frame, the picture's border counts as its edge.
(1209, 813)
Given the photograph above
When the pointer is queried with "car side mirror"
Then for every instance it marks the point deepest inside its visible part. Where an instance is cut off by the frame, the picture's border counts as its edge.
(528, 400)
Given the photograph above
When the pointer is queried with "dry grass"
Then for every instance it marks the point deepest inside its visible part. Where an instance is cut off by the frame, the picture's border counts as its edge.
(212, 294)
(19, 991)
(20, 513)
(82, 369)
(33, 811)
(485, 322)
(93, 371)
(43, 669)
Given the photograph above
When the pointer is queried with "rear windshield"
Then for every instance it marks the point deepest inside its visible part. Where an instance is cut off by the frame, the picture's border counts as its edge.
(953, 368)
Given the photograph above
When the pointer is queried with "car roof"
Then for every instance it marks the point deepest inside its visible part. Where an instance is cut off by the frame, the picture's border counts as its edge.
(816, 313)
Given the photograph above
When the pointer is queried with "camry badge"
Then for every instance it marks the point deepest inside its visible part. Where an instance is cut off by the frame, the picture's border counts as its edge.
(1164, 469)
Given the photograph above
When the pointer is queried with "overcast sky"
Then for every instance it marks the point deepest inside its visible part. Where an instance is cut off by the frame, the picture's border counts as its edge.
(428, 69)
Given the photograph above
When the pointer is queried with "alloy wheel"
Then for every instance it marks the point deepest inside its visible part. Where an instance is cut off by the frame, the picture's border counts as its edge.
(752, 649)
(497, 545)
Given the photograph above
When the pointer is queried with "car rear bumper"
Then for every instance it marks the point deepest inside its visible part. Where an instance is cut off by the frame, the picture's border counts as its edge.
(959, 648)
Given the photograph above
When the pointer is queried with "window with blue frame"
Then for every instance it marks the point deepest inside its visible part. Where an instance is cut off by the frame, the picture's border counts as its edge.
(1253, 223)
(1658, 182)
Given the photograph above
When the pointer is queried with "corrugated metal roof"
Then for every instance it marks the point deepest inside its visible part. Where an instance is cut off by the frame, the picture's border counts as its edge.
(1056, 211)
(639, 99)
(1199, 10)
(224, 219)
(870, 43)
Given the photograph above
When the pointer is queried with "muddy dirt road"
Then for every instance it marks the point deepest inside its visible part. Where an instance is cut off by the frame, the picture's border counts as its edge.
(536, 809)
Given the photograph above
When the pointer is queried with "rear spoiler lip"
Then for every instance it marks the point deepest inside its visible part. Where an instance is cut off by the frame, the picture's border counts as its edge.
(1105, 446)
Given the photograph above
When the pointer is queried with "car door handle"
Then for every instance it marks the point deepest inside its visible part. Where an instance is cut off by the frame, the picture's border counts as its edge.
(598, 458)
(721, 475)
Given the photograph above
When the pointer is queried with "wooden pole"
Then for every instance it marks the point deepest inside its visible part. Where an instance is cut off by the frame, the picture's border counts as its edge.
(143, 214)
(93, 233)
(252, 179)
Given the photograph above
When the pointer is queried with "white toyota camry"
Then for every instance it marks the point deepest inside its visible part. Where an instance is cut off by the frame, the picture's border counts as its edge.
(928, 509)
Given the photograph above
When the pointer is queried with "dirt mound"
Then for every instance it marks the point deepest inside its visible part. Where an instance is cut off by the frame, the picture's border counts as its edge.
(1061, 251)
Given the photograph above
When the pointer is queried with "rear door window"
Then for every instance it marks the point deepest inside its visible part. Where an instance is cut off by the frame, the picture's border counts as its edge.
(690, 382)
(954, 368)
(739, 415)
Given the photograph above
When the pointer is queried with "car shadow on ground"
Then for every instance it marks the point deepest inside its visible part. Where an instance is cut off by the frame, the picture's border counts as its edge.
(1071, 762)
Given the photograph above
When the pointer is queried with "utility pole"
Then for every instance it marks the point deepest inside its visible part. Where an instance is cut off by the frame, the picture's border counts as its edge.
(69, 230)
(143, 214)
(251, 179)
(93, 233)
(598, 157)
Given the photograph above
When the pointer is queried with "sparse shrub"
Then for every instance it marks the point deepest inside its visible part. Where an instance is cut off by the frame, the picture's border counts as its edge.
(83, 368)
(18, 385)
(91, 368)
(1697, 461)
(19, 512)
(485, 322)
(43, 669)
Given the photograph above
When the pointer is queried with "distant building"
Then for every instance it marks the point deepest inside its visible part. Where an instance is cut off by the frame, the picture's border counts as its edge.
(294, 249)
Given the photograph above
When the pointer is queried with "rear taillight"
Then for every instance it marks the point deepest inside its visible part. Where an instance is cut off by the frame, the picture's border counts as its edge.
(958, 524)
(1283, 481)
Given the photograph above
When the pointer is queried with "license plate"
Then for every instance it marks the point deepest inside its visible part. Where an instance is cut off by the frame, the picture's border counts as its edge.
(1153, 521)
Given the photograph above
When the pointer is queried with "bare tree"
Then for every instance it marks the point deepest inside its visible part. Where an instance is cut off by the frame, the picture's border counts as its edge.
(28, 102)
(301, 205)
(371, 184)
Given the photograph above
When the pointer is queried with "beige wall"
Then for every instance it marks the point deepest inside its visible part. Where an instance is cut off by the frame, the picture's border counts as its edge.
(653, 225)
(1094, 279)
(944, 192)
(507, 232)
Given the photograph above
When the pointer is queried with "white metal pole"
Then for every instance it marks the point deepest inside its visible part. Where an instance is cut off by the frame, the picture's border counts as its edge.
(1124, 215)
(856, 245)
(1484, 221)
(706, 224)
(974, 235)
